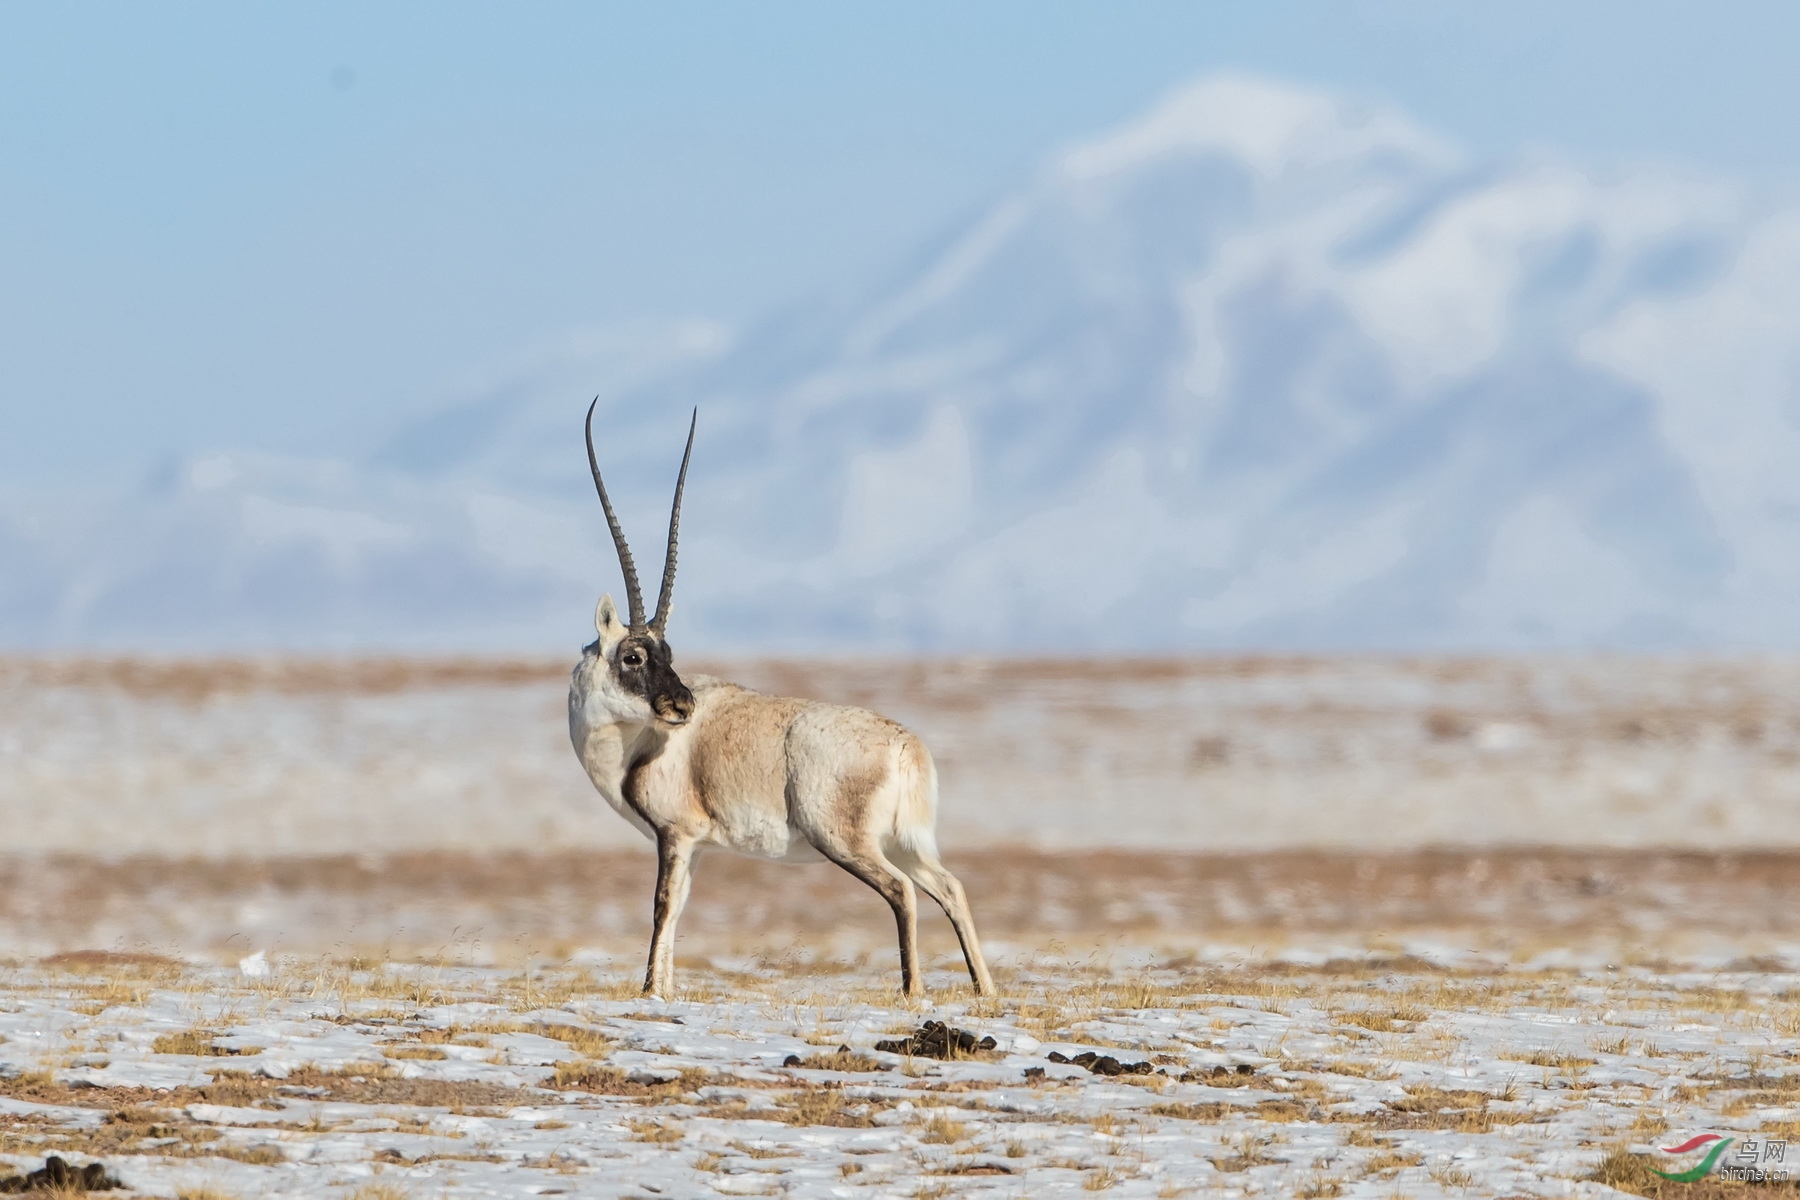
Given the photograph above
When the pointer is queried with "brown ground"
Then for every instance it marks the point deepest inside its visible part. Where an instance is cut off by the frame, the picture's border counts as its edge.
(426, 806)
(504, 906)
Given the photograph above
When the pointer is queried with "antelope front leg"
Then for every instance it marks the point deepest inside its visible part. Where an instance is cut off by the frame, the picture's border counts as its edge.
(673, 858)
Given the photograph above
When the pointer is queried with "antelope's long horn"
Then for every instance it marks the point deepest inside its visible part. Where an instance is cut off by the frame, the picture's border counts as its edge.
(668, 585)
(632, 594)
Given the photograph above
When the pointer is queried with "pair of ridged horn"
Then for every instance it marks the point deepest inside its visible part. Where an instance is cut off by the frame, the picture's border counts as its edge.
(632, 593)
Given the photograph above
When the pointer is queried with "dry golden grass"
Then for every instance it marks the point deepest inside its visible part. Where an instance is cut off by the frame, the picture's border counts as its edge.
(823, 1107)
(1391, 1161)
(1248, 1150)
(1451, 1176)
(1206, 1112)
(656, 1132)
(382, 1191)
(190, 1041)
(1359, 1070)
(140, 1130)
(589, 1043)
(1427, 1107)
(1628, 1172)
(362, 1083)
(1401, 1018)
(602, 1080)
(1285, 1111)
(1558, 1059)
(841, 1059)
(264, 1155)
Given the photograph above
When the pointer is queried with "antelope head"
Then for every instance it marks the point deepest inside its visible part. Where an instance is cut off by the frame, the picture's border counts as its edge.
(632, 670)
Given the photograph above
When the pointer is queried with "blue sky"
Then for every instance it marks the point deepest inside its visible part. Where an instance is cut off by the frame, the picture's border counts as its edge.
(284, 226)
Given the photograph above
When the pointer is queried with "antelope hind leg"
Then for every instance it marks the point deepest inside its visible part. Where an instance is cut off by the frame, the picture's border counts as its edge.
(897, 890)
(938, 883)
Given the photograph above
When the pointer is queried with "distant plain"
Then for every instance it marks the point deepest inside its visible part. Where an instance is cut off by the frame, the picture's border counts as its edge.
(411, 807)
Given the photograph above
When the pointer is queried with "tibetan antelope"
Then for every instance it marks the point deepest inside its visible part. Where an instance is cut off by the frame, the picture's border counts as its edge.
(703, 764)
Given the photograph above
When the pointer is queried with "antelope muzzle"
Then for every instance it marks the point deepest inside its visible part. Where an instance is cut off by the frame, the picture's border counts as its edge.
(669, 698)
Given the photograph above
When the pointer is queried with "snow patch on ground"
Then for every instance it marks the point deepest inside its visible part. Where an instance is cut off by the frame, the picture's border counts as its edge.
(1321, 1072)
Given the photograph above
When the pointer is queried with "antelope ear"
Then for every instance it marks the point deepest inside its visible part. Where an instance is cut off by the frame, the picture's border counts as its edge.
(606, 621)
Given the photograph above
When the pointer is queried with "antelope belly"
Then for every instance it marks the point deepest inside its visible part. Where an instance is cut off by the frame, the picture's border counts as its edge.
(776, 841)
(799, 850)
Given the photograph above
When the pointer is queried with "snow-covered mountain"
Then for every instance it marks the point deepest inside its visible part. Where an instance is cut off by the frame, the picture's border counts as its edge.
(1264, 368)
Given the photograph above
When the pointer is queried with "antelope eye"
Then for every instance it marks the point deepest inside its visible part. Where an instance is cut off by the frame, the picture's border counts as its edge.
(632, 659)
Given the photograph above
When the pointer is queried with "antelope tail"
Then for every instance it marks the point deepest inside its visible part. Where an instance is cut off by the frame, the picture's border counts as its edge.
(915, 814)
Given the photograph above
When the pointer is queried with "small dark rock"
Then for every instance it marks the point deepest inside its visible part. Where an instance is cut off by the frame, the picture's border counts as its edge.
(1034, 1072)
(58, 1175)
(937, 1040)
(1101, 1064)
(1106, 1064)
(792, 1060)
